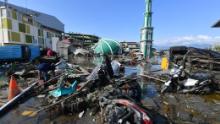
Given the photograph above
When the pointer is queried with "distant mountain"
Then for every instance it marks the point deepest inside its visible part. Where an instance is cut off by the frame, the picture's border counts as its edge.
(192, 44)
(199, 41)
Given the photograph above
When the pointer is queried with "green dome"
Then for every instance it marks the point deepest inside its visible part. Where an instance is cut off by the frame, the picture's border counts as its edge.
(107, 46)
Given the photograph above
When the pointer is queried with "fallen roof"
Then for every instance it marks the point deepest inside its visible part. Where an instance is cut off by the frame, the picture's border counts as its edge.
(44, 19)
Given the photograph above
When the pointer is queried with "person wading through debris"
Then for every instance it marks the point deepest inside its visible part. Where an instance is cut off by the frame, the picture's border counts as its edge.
(43, 69)
(109, 66)
(105, 72)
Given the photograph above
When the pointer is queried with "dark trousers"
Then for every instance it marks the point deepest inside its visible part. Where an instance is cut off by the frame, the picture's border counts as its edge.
(44, 76)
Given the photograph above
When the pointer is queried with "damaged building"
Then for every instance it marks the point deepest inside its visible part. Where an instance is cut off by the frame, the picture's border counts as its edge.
(86, 40)
(20, 25)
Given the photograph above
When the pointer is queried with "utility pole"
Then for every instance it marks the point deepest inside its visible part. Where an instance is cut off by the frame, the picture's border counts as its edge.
(147, 32)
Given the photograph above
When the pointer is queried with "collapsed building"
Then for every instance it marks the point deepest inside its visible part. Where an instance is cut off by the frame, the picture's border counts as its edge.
(76, 43)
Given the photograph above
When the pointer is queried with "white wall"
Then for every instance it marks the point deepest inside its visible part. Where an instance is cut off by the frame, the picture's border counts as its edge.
(1, 38)
(55, 41)
(142, 45)
(4, 35)
(49, 41)
(23, 38)
(34, 32)
(15, 26)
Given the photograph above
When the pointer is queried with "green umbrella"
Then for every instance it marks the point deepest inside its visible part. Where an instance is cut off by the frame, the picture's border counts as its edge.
(107, 46)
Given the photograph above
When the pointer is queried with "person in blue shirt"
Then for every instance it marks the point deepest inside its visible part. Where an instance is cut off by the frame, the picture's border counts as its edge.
(43, 69)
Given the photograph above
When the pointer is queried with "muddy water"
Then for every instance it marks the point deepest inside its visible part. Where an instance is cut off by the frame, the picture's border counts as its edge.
(180, 108)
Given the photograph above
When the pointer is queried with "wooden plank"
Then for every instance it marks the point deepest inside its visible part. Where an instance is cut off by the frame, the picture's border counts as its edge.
(154, 78)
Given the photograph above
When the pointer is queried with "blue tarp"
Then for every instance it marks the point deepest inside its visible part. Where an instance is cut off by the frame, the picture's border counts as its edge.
(14, 52)
(10, 52)
(35, 52)
(61, 91)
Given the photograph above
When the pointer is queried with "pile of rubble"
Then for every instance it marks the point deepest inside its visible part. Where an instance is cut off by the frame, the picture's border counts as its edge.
(106, 93)
(109, 97)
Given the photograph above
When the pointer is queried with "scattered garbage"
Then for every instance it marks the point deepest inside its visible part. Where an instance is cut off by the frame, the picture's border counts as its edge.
(63, 90)
(109, 95)
(182, 81)
(41, 96)
(29, 113)
(81, 114)
(117, 67)
(81, 52)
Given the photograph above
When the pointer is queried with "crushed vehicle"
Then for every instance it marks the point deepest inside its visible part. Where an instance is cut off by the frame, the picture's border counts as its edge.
(121, 109)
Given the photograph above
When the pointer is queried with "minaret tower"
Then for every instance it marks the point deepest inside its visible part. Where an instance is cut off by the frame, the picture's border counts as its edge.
(147, 32)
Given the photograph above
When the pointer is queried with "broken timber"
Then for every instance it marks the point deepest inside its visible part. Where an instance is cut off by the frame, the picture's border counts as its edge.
(154, 78)
(59, 102)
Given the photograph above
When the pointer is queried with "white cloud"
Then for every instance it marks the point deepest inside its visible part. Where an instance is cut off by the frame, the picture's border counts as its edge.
(193, 40)
(204, 37)
(217, 37)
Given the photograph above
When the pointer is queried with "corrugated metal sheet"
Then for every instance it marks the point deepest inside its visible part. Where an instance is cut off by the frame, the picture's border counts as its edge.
(10, 52)
(35, 52)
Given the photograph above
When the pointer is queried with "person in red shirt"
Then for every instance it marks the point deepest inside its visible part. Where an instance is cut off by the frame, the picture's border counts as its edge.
(49, 53)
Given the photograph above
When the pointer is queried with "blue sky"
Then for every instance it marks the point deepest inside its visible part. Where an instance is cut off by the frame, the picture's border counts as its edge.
(175, 21)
